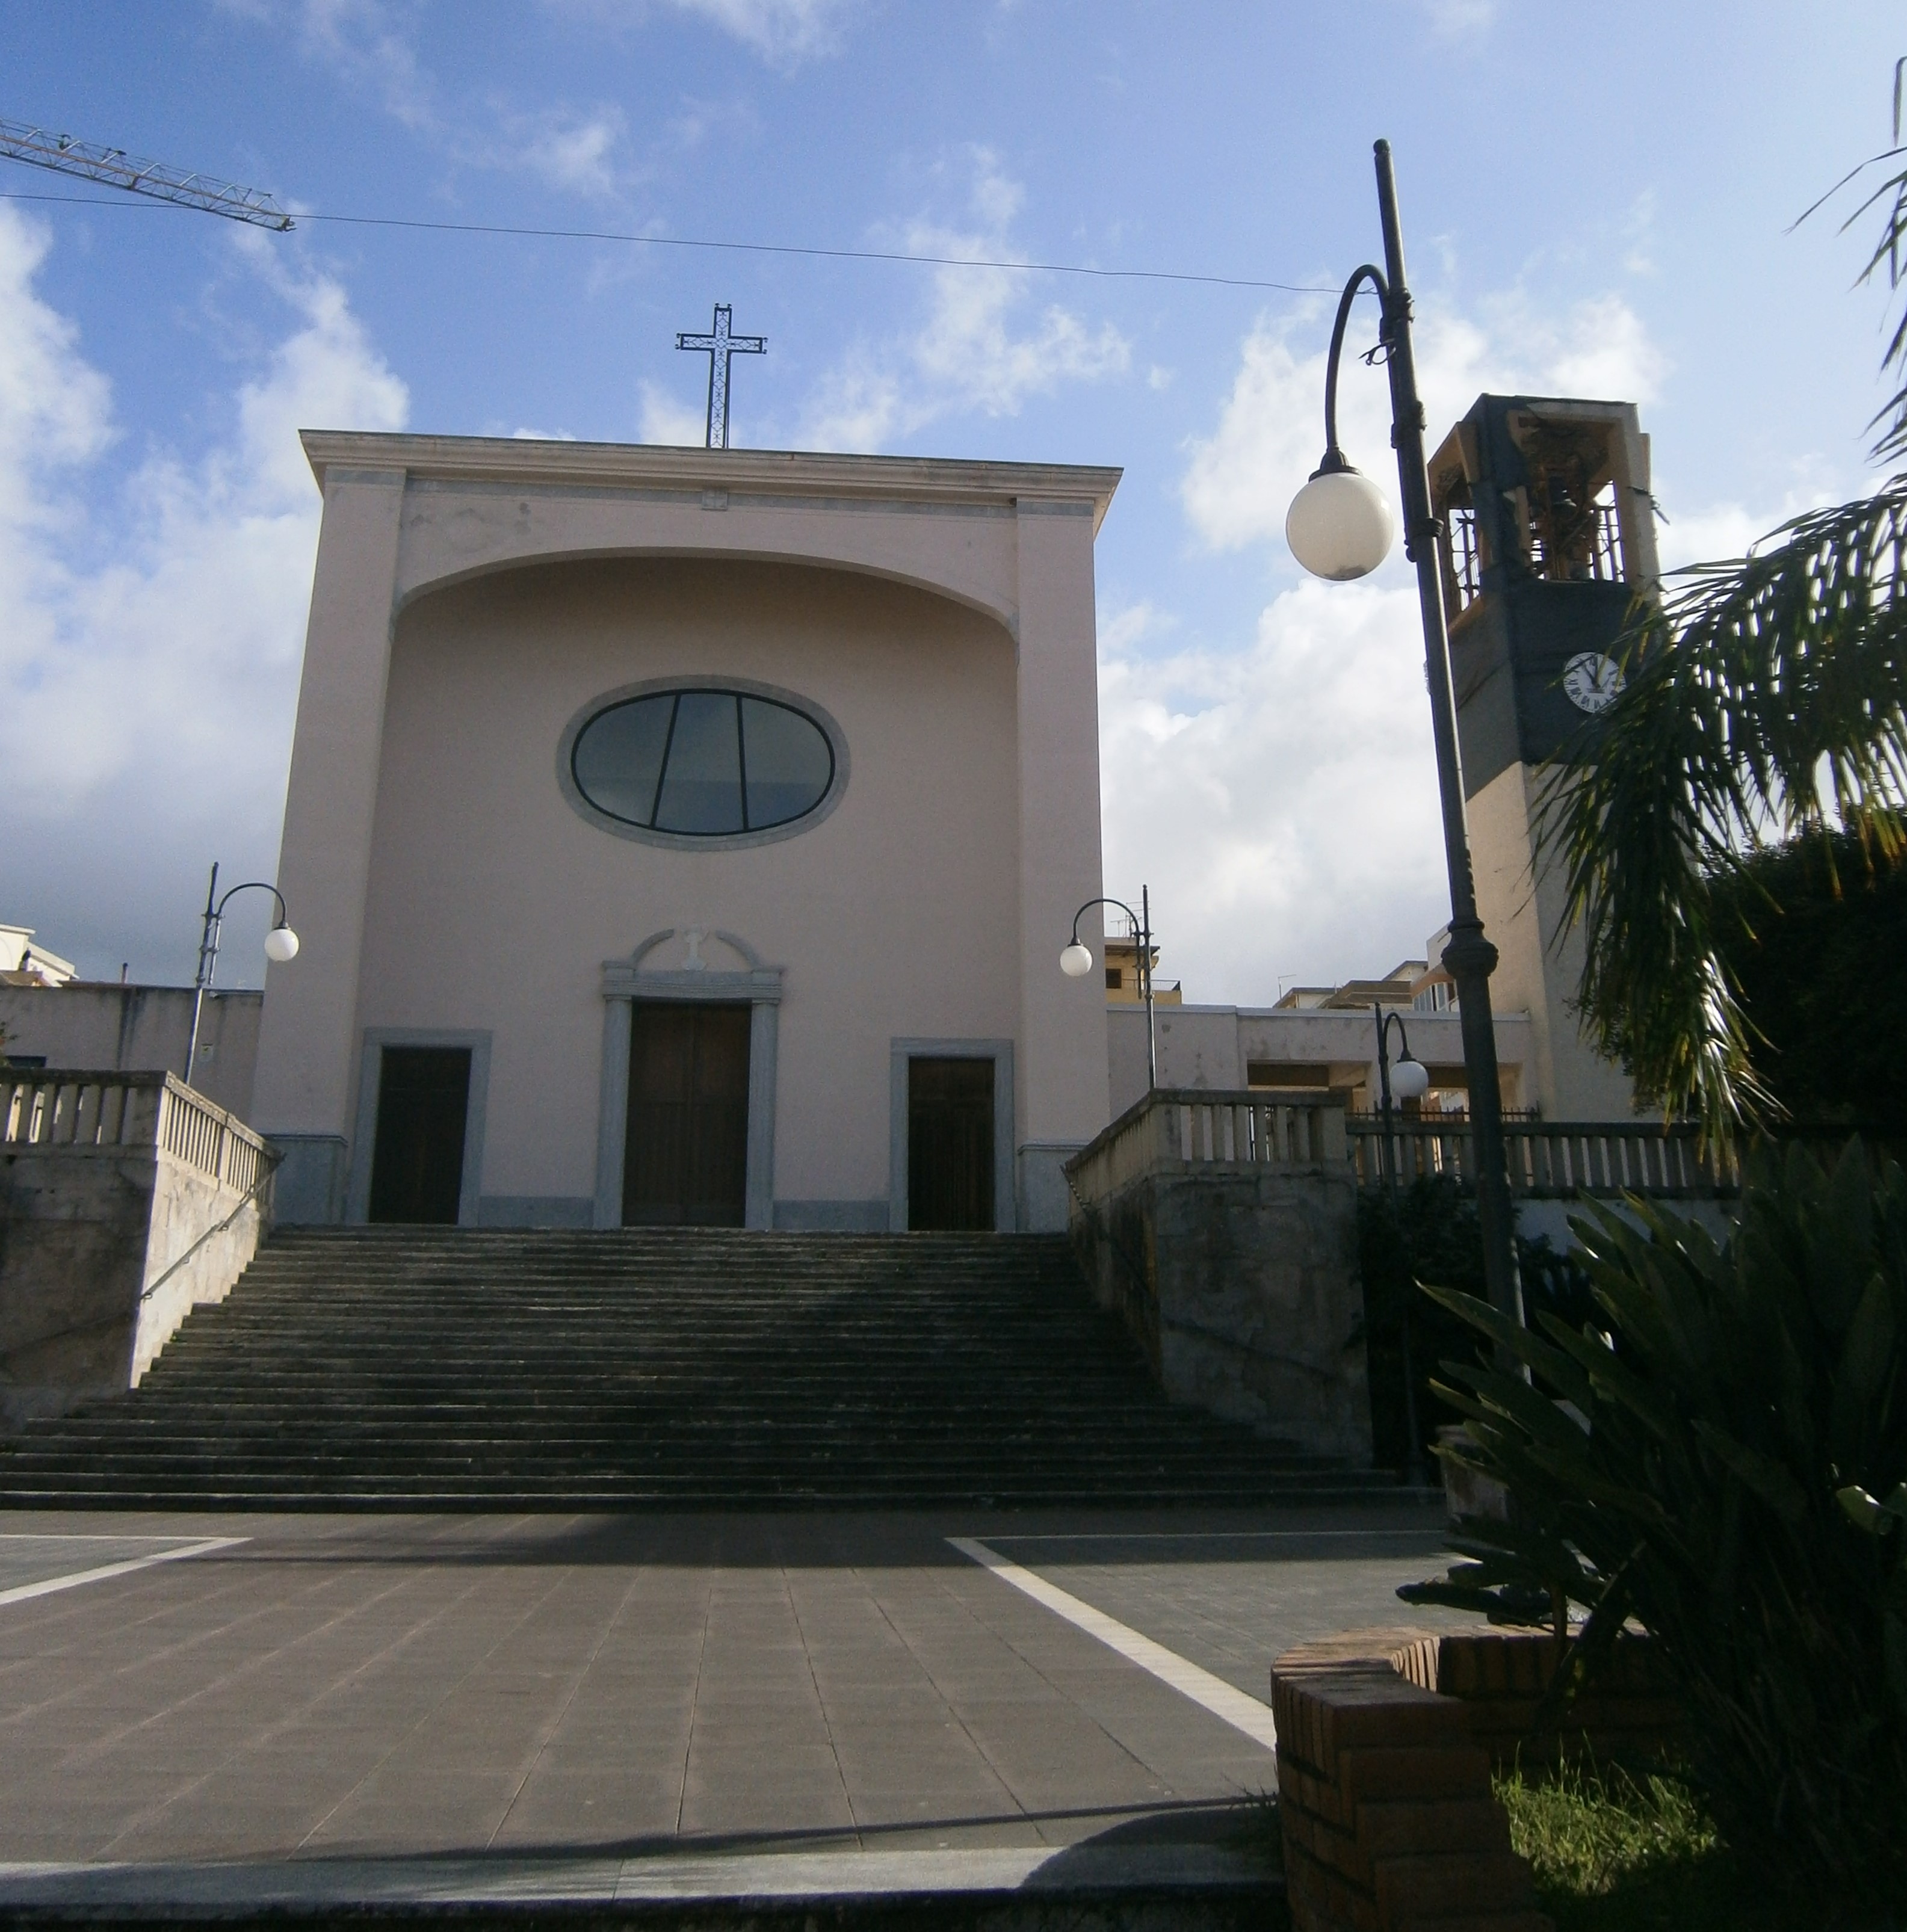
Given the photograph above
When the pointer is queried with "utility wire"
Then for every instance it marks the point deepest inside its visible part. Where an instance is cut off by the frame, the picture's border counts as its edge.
(733, 247)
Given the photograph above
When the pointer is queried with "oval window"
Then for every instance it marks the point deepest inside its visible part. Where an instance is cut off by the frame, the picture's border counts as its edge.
(702, 763)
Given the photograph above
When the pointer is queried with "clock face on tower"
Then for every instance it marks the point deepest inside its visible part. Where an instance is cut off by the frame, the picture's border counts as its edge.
(1591, 681)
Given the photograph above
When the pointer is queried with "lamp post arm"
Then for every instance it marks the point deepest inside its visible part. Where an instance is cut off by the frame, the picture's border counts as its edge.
(259, 886)
(215, 905)
(1088, 906)
(1141, 924)
(1334, 456)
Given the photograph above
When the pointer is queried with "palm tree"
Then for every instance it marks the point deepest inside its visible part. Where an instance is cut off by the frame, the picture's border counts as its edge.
(1763, 701)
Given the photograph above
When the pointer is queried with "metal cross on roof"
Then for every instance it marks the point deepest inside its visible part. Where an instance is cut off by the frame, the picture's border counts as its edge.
(720, 345)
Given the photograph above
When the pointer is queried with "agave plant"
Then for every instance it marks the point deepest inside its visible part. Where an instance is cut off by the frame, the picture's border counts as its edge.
(1703, 1457)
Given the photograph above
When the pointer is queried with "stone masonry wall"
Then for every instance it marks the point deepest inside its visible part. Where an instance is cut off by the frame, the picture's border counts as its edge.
(1242, 1288)
(104, 1251)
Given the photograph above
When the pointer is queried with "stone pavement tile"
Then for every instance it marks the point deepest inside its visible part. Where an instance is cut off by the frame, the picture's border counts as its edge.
(915, 1757)
(837, 1680)
(238, 1826)
(892, 1831)
(765, 1806)
(785, 1690)
(417, 1809)
(77, 1824)
(920, 1714)
(973, 1789)
(593, 1807)
(631, 1745)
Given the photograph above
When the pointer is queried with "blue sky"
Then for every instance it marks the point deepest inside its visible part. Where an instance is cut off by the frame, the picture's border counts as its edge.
(1597, 201)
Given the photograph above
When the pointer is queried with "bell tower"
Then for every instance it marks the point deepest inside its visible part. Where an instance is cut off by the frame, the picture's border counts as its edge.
(1548, 538)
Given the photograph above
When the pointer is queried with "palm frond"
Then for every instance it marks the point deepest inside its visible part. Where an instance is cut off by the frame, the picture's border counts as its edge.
(1764, 699)
(1891, 249)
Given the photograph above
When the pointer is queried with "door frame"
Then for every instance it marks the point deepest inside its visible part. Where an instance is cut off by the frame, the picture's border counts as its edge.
(759, 988)
(371, 1075)
(1000, 1051)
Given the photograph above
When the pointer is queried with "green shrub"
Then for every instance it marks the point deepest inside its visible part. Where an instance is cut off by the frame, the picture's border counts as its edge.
(1737, 1409)
(1429, 1231)
(1614, 1852)
(1808, 931)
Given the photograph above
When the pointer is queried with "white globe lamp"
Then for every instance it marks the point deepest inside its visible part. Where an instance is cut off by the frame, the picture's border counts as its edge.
(281, 944)
(1409, 1079)
(1075, 962)
(1340, 526)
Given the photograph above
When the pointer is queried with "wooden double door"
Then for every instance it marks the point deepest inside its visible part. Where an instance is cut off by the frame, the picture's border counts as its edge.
(685, 1154)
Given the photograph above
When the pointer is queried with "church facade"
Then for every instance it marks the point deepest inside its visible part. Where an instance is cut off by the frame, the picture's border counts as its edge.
(688, 836)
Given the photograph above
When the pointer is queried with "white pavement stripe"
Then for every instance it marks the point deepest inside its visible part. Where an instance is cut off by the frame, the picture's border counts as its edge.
(1223, 1700)
(73, 1579)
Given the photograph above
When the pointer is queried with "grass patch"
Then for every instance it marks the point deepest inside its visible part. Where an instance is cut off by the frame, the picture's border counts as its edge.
(1614, 1853)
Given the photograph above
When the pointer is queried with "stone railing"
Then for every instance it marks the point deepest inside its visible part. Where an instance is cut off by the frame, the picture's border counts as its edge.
(1553, 1161)
(1175, 1129)
(129, 1200)
(99, 1110)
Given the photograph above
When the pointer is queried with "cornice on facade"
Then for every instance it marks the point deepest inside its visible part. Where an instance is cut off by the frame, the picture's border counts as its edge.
(898, 479)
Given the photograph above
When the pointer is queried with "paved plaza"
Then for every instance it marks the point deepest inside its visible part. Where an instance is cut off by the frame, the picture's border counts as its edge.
(586, 1706)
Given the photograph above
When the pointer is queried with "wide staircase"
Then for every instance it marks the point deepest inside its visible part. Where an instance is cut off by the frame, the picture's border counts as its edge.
(404, 1368)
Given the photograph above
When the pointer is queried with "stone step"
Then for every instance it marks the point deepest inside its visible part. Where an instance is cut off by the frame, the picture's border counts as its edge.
(410, 1368)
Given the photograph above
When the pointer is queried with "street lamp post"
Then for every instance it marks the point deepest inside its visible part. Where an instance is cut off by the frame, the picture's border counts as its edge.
(281, 944)
(1412, 1083)
(1339, 527)
(1076, 961)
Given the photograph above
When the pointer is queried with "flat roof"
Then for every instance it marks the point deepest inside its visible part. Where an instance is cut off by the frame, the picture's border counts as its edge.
(770, 472)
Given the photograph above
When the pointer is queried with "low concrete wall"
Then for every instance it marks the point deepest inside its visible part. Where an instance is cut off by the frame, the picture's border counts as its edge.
(1233, 1260)
(125, 1201)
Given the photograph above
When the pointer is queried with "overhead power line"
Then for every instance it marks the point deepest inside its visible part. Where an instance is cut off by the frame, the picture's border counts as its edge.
(279, 220)
(822, 254)
(115, 168)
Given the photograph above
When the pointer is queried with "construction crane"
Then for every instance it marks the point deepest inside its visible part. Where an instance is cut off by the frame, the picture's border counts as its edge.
(115, 168)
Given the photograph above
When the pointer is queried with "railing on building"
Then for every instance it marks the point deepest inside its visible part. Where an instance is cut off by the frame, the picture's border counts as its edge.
(1553, 1160)
(1178, 1127)
(1589, 552)
(82, 1109)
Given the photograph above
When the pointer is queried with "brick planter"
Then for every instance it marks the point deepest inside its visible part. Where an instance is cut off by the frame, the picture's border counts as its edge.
(1387, 1741)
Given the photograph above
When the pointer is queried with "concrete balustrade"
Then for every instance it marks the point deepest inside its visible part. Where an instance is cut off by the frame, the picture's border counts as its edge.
(1561, 1160)
(126, 1199)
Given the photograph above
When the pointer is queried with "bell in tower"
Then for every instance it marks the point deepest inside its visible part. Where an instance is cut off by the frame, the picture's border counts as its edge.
(1548, 539)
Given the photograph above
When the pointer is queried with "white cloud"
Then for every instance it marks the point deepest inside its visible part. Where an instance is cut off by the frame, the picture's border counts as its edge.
(357, 39)
(1455, 17)
(575, 151)
(1241, 478)
(368, 44)
(668, 419)
(147, 693)
(1285, 791)
(1279, 800)
(779, 30)
(977, 349)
